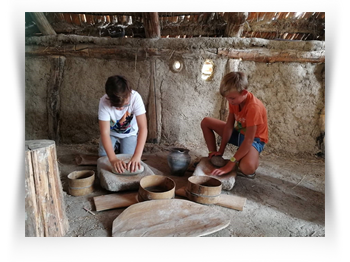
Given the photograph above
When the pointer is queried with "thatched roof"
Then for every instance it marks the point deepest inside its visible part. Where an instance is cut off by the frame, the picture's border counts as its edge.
(267, 25)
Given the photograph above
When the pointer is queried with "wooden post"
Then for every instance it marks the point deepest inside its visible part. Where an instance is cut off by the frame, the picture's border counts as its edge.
(45, 214)
(152, 108)
(53, 96)
(42, 23)
(151, 24)
(235, 23)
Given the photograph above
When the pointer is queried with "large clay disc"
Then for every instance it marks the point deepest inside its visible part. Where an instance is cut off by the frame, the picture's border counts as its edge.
(168, 218)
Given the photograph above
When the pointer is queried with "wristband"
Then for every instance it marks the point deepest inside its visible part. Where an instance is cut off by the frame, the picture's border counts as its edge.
(233, 159)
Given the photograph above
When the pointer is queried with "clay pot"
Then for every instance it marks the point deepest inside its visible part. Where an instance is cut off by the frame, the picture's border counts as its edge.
(178, 161)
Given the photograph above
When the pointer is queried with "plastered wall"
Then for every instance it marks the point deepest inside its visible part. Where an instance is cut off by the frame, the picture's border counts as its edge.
(292, 92)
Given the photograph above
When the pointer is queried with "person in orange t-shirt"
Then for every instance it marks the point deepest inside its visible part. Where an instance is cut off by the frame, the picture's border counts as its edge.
(246, 127)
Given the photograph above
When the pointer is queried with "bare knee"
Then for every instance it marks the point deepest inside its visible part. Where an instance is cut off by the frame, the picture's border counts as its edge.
(205, 122)
(249, 167)
(247, 170)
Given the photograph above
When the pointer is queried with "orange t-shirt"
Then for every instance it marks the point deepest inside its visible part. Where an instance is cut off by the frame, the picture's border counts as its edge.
(253, 113)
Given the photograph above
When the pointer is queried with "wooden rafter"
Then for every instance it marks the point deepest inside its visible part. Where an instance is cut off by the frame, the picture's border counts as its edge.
(42, 23)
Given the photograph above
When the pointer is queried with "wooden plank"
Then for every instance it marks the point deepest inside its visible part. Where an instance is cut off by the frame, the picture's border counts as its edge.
(42, 23)
(229, 201)
(121, 200)
(33, 225)
(232, 201)
(117, 200)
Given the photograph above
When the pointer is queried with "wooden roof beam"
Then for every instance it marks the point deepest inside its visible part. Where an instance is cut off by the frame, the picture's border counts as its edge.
(151, 24)
(42, 23)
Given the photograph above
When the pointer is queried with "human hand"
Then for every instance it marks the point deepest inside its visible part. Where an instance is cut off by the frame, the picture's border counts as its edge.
(118, 165)
(215, 153)
(223, 170)
(134, 164)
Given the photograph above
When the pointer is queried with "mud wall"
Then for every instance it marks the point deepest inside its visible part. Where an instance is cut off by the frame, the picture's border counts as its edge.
(292, 92)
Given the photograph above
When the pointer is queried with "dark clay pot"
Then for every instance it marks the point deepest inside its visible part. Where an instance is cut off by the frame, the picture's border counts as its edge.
(178, 161)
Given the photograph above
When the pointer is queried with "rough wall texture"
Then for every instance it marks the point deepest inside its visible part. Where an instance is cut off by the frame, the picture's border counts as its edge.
(186, 99)
(84, 86)
(292, 92)
(294, 97)
(37, 73)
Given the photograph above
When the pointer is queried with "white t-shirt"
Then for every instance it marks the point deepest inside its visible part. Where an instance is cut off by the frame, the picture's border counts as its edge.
(122, 122)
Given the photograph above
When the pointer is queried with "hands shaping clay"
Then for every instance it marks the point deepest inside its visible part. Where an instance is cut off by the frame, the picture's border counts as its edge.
(128, 173)
(126, 158)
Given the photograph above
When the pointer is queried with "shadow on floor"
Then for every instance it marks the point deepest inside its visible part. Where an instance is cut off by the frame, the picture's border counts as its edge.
(286, 197)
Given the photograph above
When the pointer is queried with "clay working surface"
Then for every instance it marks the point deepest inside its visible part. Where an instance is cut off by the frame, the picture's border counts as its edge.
(169, 218)
(205, 167)
(116, 183)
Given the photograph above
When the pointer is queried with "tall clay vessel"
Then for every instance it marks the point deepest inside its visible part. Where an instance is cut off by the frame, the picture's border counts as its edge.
(178, 161)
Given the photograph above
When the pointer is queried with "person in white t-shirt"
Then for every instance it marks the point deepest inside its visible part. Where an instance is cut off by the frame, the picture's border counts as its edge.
(123, 124)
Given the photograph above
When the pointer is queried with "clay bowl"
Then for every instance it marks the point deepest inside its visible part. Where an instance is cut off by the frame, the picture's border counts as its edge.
(203, 189)
(156, 187)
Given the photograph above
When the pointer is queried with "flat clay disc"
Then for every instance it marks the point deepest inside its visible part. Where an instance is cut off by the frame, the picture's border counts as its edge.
(218, 161)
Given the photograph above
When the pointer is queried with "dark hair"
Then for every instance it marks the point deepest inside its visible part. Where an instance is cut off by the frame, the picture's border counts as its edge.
(118, 90)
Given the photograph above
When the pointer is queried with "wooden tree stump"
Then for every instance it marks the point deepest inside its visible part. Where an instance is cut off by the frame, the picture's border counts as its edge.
(45, 214)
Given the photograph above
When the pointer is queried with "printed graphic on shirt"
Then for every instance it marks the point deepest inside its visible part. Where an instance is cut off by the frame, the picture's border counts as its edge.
(238, 124)
(122, 126)
(239, 127)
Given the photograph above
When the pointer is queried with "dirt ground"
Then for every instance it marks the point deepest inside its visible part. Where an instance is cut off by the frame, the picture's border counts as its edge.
(286, 199)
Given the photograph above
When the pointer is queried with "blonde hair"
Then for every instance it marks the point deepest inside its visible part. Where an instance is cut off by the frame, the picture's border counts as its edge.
(233, 81)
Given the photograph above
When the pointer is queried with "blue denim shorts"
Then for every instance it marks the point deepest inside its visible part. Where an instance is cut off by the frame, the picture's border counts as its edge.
(237, 139)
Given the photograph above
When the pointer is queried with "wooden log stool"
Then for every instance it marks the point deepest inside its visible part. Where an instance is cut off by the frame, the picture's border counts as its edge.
(45, 214)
